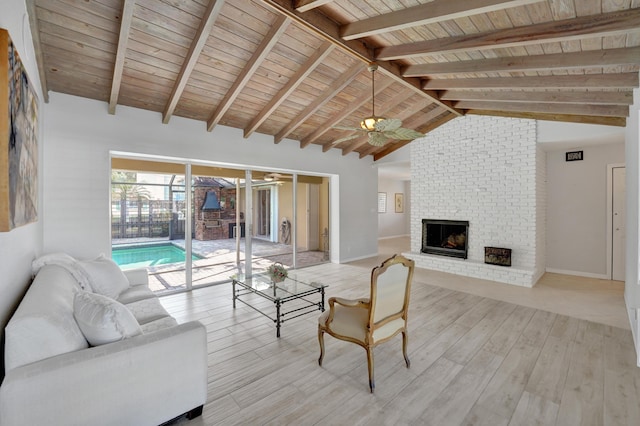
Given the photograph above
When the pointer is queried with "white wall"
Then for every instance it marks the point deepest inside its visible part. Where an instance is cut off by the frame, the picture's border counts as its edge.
(541, 212)
(632, 152)
(559, 135)
(392, 224)
(577, 210)
(80, 134)
(484, 170)
(19, 246)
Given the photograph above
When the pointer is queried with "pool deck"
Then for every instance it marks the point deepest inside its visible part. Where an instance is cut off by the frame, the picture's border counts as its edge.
(219, 261)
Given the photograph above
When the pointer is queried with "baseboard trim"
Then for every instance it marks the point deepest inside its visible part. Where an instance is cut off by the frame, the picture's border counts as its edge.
(634, 322)
(577, 273)
(354, 259)
(394, 236)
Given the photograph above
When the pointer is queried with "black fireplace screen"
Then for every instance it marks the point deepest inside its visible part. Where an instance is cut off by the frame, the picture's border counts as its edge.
(445, 237)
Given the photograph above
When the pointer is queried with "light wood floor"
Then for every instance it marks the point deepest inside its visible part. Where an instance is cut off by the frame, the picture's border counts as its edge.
(504, 357)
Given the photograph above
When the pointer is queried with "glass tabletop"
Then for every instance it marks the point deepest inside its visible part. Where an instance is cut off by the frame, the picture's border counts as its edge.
(291, 286)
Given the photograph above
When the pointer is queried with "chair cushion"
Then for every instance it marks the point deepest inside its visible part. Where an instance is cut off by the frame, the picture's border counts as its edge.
(106, 276)
(391, 288)
(348, 322)
(103, 320)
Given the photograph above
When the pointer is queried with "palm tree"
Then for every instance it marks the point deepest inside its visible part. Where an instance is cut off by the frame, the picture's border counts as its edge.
(124, 186)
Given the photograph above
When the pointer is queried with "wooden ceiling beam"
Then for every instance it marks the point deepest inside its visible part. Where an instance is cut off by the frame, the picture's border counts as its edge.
(344, 113)
(424, 129)
(303, 72)
(326, 28)
(557, 97)
(425, 14)
(369, 149)
(392, 70)
(568, 109)
(585, 119)
(336, 87)
(270, 40)
(421, 119)
(606, 24)
(587, 81)
(307, 5)
(572, 60)
(322, 26)
(123, 37)
(200, 39)
(37, 47)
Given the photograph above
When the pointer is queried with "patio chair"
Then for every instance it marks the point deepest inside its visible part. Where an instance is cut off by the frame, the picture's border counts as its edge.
(369, 322)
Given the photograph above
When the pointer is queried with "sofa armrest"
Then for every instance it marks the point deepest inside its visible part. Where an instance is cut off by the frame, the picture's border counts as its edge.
(144, 380)
(137, 276)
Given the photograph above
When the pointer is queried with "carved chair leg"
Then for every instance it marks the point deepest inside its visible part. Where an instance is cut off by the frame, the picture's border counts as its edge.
(321, 340)
(405, 340)
(372, 383)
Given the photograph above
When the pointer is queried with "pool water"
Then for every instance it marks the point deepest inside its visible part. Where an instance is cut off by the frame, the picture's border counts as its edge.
(149, 255)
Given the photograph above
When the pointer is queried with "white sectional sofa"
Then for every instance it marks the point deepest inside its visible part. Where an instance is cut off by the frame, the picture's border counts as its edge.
(74, 356)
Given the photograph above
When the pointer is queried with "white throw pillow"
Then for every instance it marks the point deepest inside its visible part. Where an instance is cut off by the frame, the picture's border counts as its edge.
(106, 276)
(103, 320)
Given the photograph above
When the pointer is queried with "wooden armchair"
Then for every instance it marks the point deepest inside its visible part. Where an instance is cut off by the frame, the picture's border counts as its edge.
(369, 322)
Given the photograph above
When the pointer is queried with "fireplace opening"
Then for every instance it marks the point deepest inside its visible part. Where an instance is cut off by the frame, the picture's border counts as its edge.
(445, 237)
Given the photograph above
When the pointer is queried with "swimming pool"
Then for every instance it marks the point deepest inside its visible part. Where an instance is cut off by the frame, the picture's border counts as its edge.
(148, 255)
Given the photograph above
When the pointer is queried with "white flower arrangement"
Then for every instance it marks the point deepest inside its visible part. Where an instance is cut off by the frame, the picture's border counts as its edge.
(277, 272)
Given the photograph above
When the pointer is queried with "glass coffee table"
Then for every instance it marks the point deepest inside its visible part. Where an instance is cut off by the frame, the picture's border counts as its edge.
(309, 297)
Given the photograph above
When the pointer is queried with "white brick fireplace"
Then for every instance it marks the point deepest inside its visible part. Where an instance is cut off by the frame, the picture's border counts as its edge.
(488, 171)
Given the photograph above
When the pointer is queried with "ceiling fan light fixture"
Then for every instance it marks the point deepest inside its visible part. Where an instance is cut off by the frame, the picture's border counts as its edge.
(369, 123)
(378, 129)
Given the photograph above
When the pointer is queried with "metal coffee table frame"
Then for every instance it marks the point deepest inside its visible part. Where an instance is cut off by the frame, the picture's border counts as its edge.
(279, 293)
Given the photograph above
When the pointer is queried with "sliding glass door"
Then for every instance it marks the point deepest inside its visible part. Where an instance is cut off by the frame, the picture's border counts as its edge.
(194, 224)
(219, 226)
(148, 224)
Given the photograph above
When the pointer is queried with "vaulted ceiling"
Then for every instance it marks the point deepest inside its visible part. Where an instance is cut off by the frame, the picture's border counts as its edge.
(296, 68)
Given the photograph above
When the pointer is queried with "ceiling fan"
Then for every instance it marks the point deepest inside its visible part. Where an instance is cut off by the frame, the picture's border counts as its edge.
(378, 129)
(270, 177)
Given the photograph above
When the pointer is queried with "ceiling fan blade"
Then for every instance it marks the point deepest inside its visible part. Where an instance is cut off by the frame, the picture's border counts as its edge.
(403, 133)
(346, 138)
(377, 138)
(388, 125)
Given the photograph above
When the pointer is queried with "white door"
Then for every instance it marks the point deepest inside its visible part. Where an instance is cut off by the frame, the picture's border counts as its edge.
(263, 221)
(618, 224)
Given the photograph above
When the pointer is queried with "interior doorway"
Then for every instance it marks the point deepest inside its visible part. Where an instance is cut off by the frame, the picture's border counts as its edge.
(617, 220)
(264, 213)
(313, 217)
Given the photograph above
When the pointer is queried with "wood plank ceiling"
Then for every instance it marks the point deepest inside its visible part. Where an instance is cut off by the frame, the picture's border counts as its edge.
(296, 68)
